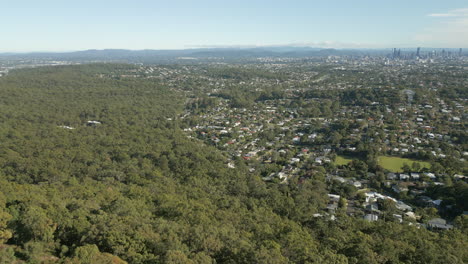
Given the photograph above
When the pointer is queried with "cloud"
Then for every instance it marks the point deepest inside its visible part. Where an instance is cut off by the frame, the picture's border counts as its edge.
(442, 15)
(318, 44)
(460, 12)
(331, 44)
(450, 30)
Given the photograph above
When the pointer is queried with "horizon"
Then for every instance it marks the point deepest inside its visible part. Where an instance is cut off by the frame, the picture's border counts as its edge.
(233, 48)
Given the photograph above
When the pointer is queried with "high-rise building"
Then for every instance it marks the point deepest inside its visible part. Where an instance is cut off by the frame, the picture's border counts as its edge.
(417, 52)
(460, 52)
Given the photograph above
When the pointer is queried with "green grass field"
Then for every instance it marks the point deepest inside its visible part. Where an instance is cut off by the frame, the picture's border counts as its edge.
(395, 164)
(340, 160)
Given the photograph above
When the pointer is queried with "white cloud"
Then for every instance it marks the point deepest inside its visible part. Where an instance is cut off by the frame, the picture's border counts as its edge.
(460, 12)
(318, 44)
(450, 30)
(442, 15)
(332, 44)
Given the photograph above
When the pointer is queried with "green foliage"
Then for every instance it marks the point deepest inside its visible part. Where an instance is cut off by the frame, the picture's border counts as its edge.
(137, 188)
(89, 254)
(7, 255)
(5, 234)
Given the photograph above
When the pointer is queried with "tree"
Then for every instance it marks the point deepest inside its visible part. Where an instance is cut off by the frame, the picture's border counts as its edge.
(37, 226)
(406, 168)
(5, 233)
(90, 254)
(416, 166)
(270, 252)
(388, 208)
(7, 255)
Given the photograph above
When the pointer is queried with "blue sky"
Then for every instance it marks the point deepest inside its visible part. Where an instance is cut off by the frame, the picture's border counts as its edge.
(49, 25)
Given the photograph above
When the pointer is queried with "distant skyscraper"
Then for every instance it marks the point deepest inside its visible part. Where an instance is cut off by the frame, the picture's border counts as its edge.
(417, 52)
(460, 52)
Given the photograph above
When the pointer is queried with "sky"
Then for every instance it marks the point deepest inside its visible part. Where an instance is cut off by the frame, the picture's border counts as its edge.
(60, 25)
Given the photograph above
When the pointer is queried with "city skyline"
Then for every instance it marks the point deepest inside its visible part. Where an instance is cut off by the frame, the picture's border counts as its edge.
(56, 26)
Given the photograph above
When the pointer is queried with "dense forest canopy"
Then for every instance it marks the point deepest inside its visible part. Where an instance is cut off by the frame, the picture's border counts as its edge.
(131, 187)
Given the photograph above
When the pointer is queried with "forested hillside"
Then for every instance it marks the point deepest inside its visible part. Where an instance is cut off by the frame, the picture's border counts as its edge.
(133, 188)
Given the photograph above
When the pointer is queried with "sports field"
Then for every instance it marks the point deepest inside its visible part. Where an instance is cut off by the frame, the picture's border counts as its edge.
(395, 164)
(340, 160)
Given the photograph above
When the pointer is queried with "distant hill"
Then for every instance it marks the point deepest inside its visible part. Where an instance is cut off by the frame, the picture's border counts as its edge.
(150, 55)
(201, 54)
